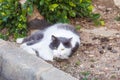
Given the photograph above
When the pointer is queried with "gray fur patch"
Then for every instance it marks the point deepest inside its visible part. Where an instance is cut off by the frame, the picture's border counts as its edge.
(34, 38)
(38, 24)
(74, 49)
(68, 27)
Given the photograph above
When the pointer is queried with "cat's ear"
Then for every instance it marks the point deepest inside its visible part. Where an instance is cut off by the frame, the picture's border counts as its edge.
(53, 38)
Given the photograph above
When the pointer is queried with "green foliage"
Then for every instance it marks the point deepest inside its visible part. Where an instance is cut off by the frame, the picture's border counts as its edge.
(85, 74)
(77, 27)
(62, 10)
(117, 18)
(77, 63)
(13, 17)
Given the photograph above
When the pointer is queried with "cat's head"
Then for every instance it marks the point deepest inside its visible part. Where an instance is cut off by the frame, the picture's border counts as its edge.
(61, 47)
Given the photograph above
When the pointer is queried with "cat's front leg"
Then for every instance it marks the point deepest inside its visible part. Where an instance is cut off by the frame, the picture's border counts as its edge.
(46, 55)
(28, 49)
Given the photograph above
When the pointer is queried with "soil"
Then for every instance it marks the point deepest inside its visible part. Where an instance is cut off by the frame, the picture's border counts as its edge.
(98, 57)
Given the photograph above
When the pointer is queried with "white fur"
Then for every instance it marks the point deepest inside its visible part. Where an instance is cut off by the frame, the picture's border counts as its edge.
(28, 49)
(43, 46)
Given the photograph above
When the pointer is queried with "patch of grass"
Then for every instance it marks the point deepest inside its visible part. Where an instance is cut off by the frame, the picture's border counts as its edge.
(99, 22)
(77, 63)
(85, 74)
(5, 37)
(117, 18)
(113, 77)
(92, 60)
(78, 27)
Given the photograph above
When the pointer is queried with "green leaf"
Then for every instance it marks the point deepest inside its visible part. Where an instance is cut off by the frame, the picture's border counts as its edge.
(72, 13)
(5, 18)
(30, 10)
(41, 2)
(1, 1)
(78, 27)
(53, 6)
(80, 1)
(72, 4)
(95, 16)
(102, 23)
(90, 7)
(117, 18)
(86, 73)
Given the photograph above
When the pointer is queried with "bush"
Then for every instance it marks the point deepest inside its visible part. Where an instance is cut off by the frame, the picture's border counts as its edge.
(62, 10)
(13, 18)
(13, 15)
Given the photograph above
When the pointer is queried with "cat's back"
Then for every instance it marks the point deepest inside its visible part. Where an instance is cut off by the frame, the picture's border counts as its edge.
(61, 28)
(67, 27)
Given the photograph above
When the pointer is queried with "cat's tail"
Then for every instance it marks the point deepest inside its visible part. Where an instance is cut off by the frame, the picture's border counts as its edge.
(19, 40)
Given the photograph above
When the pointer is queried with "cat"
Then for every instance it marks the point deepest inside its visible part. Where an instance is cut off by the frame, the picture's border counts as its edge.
(56, 41)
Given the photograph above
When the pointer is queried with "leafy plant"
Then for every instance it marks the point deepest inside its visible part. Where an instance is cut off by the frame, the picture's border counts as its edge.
(13, 17)
(62, 10)
(77, 63)
(117, 18)
(13, 14)
(85, 74)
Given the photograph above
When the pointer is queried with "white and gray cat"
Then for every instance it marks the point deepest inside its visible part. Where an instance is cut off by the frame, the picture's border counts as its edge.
(56, 41)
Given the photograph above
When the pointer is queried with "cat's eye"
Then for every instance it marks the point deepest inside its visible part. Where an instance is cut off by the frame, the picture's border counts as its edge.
(62, 49)
(66, 44)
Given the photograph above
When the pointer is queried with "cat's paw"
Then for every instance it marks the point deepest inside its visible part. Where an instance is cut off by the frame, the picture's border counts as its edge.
(47, 57)
(28, 49)
(19, 40)
(51, 60)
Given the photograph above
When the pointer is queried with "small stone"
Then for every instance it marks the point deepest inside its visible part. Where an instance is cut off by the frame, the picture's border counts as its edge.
(110, 44)
(103, 47)
(117, 35)
(91, 55)
(114, 51)
(101, 7)
(102, 51)
(94, 38)
(86, 52)
(82, 66)
(92, 66)
(92, 60)
(104, 39)
(77, 22)
(109, 9)
(109, 48)
(117, 3)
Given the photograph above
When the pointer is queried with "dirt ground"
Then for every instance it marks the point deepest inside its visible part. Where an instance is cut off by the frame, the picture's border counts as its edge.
(98, 57)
